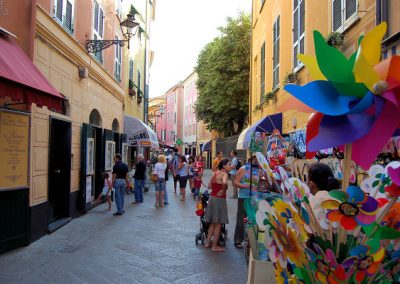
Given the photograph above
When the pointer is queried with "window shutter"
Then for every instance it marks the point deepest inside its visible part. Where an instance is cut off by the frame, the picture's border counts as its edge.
(68, 16)
(302, 16)
(296, 25)
(351, 8)
(337, 14)
(96, 16)
(59, 10)
(262, 79)
(101, 23)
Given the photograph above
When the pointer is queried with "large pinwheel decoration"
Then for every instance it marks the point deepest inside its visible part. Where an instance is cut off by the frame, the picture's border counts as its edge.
(356, 99)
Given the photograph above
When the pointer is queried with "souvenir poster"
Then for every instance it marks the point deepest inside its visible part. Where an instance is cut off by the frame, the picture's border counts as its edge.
(257, 142)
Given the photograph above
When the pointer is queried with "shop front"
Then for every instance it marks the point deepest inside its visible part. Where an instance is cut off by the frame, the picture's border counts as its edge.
(22, 89)
(140, 138)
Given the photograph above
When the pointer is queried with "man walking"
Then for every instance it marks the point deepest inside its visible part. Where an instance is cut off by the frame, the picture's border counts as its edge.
(140, 174)
(120, 183)
(234, 163)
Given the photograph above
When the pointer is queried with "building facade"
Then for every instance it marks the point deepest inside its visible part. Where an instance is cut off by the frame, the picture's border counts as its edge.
(174, 116)
(189, 121)
(69, 149)
(157, 117)
(283, 29)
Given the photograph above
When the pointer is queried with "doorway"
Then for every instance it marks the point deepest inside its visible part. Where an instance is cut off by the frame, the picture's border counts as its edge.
(59, 170)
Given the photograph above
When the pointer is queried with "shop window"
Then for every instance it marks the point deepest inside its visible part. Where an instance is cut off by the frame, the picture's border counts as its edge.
(64, 13)
(298, 31)
(344, 13)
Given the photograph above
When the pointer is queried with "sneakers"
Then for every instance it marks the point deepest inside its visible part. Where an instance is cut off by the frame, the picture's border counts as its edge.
(238, 245)
(118, 214)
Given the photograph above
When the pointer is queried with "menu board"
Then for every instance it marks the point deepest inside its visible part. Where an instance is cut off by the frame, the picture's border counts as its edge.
(14, 149)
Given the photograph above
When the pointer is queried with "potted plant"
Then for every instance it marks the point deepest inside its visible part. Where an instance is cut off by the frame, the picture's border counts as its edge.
(131, 88)
(290, 78)
(335, 39)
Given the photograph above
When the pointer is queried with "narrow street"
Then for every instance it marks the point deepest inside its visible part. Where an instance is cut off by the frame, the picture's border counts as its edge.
(146, 245)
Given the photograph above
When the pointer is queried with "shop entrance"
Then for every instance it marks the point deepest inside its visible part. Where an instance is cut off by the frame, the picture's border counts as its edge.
(59, 170)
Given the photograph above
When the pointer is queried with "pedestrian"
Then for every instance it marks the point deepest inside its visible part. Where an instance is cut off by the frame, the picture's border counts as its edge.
(320, 177)
(183, 169)
(105, 194)
(199, 166)
(159, 170)
(242, 183)
(120, 181)
(217, 211)
(140, 176)
(167, 169)
(216, 161)
(234, 163)
(191, 174)
(175, 171)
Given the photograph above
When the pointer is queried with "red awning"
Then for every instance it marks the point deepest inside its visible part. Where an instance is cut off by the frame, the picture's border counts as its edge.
(21, 80)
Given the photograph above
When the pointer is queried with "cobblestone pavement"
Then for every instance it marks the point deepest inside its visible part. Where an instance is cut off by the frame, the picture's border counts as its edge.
(145, 245)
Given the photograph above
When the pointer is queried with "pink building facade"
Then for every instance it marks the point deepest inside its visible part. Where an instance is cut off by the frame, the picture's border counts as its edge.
(189, 118)
(173, 117)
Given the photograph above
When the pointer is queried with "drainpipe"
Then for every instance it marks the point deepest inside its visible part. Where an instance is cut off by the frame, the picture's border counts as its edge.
(32, 30)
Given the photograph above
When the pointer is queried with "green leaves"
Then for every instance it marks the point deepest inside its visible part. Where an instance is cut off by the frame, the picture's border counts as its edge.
(223, 77)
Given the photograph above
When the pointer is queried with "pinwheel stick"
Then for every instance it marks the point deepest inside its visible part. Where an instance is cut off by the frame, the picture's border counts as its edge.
(346, 166)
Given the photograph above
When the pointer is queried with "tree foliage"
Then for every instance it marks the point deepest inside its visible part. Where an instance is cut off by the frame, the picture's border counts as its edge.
(223, 68)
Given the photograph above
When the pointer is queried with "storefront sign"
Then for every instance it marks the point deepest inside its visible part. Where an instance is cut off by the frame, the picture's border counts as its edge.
(14, 143)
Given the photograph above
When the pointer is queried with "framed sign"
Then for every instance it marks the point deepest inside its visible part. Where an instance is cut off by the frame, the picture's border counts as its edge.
(88, 189)
(109, 155)
(14, 149)
(90, 156)
(124, 153)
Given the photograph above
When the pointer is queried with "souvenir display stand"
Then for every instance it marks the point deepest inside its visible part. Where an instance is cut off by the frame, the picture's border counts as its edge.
(351, 234)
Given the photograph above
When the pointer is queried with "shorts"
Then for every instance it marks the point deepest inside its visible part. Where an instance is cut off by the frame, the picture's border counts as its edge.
(183, 181)
(176, 178)
(159, 185)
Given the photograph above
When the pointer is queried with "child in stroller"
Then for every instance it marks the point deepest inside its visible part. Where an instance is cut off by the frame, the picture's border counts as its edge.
(202, 235)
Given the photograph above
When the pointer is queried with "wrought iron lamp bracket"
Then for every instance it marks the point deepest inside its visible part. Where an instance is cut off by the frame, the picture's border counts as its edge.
(93, 46)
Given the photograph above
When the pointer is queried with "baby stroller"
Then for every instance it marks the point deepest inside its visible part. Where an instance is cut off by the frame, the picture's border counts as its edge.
(202, 235)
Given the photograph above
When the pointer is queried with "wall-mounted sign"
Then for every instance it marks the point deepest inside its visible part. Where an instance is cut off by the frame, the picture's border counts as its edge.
(14, 149)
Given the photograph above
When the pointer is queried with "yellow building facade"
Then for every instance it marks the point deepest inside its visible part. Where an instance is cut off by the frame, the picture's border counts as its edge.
(282, 29)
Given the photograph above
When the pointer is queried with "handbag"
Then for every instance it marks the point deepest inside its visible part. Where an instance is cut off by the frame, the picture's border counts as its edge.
(154, 177)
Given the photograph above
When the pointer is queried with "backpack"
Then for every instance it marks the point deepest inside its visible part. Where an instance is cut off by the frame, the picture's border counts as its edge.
(239, 164)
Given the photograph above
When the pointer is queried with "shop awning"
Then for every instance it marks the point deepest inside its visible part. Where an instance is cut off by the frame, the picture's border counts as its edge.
(21, 80)
(206, 146)
(266, 125)
(138, 133)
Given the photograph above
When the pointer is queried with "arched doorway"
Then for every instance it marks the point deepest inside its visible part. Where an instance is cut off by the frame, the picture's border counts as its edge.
(115, 125)
(95, 118)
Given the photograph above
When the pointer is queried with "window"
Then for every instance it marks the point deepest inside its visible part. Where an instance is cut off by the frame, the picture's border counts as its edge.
(118, 8)
(275, 59)
(98, 26)
(344, 13)
(139, 92)
(298, 30)
(175, 117)
(262, 77)
(64, 13)
(117, 62)
(131, 69)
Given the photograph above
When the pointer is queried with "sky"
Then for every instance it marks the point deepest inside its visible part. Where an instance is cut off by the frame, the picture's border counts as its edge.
(180, 31)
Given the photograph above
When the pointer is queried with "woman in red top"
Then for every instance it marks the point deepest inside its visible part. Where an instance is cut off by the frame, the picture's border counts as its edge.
(217, 211)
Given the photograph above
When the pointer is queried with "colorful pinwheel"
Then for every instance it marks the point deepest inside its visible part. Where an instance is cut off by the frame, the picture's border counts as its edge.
(351, 208)
(364, 261)
(327, 270)
(357, 99)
